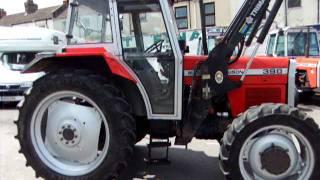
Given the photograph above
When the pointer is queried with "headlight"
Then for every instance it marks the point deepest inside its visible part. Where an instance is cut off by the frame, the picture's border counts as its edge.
(26, 84)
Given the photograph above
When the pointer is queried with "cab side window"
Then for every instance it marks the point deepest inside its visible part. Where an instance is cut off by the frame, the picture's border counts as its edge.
(280, 49)
(271, 45)
(148, 51)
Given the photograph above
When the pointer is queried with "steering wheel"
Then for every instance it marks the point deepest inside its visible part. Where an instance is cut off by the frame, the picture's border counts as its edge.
(157, 45)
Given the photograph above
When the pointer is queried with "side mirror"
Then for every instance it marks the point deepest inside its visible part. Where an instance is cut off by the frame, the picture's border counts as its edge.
(281, 32)
(183, 46)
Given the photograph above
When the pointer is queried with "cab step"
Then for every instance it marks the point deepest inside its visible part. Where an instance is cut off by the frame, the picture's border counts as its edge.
(158, 143)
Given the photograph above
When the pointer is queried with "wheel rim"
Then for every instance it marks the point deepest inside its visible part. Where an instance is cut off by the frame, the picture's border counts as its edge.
(292, 152)
(70, 133)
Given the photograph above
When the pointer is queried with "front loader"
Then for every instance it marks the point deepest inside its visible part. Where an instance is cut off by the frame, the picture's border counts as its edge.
(124, 75)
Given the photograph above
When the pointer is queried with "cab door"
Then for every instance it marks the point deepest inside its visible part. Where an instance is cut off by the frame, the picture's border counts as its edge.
(150, 48)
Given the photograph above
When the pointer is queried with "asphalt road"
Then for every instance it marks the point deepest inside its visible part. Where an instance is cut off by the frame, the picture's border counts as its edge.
(200, 161)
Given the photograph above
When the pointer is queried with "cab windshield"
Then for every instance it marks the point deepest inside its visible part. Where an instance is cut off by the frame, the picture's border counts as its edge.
(298, 43)
(90, 22)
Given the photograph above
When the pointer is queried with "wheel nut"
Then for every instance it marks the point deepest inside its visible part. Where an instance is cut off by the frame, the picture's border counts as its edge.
(69, 126)
(63, 127)
(61, 139)
(60, 132)
(67, 142)
(76, 136)
(72, 142)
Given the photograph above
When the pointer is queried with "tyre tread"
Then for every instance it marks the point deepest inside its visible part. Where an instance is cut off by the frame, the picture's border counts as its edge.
(251, 115)
(110, 94)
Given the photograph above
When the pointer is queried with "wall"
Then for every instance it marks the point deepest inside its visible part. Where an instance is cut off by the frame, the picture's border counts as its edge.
(222, 11)
(307, 14)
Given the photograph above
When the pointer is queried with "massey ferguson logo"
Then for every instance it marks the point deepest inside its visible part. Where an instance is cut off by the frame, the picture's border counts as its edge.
(254, 13)
(258, 72)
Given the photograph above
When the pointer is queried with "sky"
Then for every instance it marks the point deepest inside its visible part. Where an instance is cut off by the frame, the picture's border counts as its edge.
(17, 6)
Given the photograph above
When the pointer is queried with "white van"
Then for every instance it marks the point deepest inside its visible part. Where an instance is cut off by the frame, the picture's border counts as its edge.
(18, 47)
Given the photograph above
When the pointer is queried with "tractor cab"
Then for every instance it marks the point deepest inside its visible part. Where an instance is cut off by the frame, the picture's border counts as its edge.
(293, 42)
(142, 34)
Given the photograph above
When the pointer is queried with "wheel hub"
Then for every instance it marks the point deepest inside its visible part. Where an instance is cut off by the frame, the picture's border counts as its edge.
(69, 133)
(72, 133)
(275, 154)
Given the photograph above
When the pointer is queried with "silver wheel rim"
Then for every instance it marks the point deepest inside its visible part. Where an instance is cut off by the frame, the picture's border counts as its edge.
(54, 146)
(301, 169)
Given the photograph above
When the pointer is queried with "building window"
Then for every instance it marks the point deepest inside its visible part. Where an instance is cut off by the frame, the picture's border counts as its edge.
(210, 14)
(182, 17)
(294, 3)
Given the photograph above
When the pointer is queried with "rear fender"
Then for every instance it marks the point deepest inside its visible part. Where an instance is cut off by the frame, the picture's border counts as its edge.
(98, 61)
(97, 58)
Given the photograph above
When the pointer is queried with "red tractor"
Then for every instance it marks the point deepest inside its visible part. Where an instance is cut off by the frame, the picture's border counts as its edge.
(112, 85)
(302, 44)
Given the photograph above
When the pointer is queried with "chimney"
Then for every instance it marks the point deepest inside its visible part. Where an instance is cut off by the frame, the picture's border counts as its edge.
(3, 13)
(66, 2)
(30, 7)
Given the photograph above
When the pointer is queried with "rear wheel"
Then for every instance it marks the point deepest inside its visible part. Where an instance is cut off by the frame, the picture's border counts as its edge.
(271, 142)
(74, 125)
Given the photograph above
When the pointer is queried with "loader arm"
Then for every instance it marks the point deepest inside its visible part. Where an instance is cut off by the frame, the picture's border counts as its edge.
(241, 32)
(214, 81)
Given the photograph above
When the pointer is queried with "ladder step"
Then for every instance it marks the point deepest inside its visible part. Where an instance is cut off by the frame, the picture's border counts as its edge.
(159, 144)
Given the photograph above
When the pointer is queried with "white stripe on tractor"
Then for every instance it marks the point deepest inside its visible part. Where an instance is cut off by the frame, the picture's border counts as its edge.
(251, 72)
(307, 65)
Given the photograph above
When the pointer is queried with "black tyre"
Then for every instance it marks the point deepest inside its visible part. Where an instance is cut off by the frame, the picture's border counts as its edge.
(272, 141)
(75, 125)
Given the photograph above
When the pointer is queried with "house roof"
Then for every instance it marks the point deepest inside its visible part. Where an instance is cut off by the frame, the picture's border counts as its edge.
(40, 14)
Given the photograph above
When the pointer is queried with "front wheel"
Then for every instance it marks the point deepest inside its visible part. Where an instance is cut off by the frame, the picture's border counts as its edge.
(271, 142)
(74, 125)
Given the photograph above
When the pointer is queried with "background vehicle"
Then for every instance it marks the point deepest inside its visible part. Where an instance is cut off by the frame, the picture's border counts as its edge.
(301, 43)
(194, 39)
(18, 47)
(82, 119)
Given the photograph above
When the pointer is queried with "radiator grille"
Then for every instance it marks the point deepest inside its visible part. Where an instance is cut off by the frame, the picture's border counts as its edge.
(257, 96)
